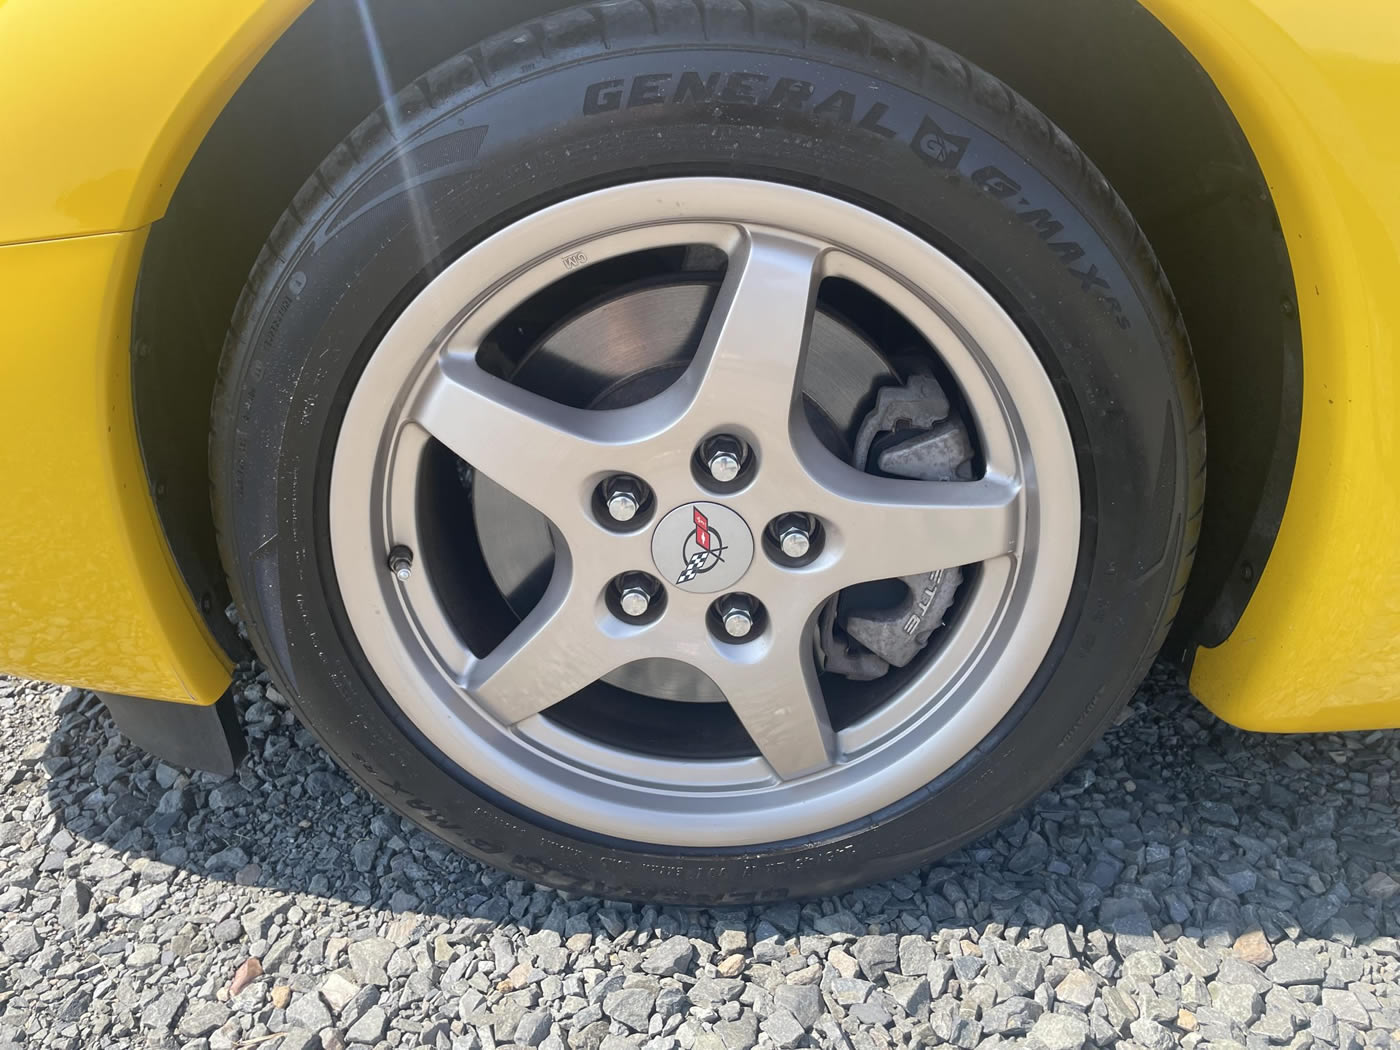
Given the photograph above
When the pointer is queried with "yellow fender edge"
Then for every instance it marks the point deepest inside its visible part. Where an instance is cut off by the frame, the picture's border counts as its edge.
(89, 593)
(1315, 88)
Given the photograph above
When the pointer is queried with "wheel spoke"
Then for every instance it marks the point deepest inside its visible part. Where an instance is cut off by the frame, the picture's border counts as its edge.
(898, 528)
(748, 367)
(553, 653)
(779, 700)
(534, 447)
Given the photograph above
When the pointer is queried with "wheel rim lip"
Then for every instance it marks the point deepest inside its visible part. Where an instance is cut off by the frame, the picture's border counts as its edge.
(733, 803)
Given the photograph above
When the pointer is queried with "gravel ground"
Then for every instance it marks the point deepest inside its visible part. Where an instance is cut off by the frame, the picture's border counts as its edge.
(1187, 885)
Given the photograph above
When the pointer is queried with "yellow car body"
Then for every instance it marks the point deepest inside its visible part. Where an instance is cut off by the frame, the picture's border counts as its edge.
(106, 105)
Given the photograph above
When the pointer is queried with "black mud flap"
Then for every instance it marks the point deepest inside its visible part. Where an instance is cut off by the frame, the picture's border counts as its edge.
(186, 735)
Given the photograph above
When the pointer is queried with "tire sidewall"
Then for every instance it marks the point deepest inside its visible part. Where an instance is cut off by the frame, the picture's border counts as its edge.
(926, 159)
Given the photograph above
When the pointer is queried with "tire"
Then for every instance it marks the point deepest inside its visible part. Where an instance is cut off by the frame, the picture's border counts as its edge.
(800, 94)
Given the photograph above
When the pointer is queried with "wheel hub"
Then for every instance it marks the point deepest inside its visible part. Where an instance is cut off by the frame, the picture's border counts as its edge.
(702, 548)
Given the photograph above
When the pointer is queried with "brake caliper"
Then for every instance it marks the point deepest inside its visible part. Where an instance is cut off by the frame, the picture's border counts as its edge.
(912, 433)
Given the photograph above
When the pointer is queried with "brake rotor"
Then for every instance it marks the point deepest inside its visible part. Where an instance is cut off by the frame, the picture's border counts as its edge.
(621, 352)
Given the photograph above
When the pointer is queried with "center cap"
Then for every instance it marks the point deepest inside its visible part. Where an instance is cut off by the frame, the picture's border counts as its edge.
(702, 548)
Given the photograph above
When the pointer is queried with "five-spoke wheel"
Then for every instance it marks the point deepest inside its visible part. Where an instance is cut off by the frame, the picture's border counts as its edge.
(622, 502)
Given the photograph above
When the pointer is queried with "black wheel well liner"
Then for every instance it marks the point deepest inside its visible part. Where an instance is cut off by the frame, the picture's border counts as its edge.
(1106, 71)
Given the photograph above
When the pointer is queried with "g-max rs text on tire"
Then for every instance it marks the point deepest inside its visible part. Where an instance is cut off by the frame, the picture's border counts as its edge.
(749, 118)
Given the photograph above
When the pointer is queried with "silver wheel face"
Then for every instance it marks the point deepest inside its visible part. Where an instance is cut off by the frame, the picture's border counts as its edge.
(492, 708)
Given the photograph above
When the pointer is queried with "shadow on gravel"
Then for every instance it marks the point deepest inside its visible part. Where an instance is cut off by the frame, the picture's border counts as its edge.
(1175, 823)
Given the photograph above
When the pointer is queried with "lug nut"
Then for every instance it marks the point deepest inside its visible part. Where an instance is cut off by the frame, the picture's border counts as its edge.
(401, 563)
(723, 457)
(796, 542)
(738, 623)
(637, 594)
(635, 601)
(622, 507)
(793, 534)
(738, 614)
(724, 466)
(623, 496)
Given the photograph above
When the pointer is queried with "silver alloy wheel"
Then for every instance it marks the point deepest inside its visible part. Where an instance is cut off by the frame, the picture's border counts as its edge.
(1019, 522)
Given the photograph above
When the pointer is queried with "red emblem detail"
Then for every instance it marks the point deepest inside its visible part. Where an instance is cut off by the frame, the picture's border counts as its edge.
(702, 530)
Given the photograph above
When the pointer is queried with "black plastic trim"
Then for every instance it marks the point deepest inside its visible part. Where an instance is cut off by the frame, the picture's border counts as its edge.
(186, 735)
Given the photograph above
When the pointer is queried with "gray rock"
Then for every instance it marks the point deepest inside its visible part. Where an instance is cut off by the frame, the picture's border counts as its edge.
(73, 903)
(23, 943)
(876, 955)
(1121, 1008)
(1239, 1002)
(300, 1039)
(871, 1012)
(839, 922)
(783, 1028)
(337, 991)
(257, 920)
(1346, 1006)
(228, 931)
(1032, 856)
(911, 994)
(369, 959)
(915, 955)
(1014, 1016)
(201, 1018)
(1323, 1026)
(132, 943)
(363, 854)
(1104, 872)
(1056, 940)
(669, 1002)
(1294, 966)
(308, 1011)
(1276, 1024)
(1144, 965)
(142, 956)
(671, 956)
(1343, 972)
(1132, 933)
(160, 1014)
(1078, 988)
(230, 859)
(1213, 812)
(1237, 971)
(370, 1027)
(967, 967)
(1203, 962)
(710, 991)
(228, 796)
(803, 1002)
(1058, 1032)
(1315, 912)
(533, 1028)
(75, 1006)
(1152, 1035)
(630, 1006)
(740, 1033)
(143, 905)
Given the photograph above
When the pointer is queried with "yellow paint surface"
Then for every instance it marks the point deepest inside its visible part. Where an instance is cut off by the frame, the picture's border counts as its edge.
(1316, 88)
(105, 102)
(89, 594)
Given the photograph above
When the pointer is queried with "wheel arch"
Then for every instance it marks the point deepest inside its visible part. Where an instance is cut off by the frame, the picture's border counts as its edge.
(1187, 172)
